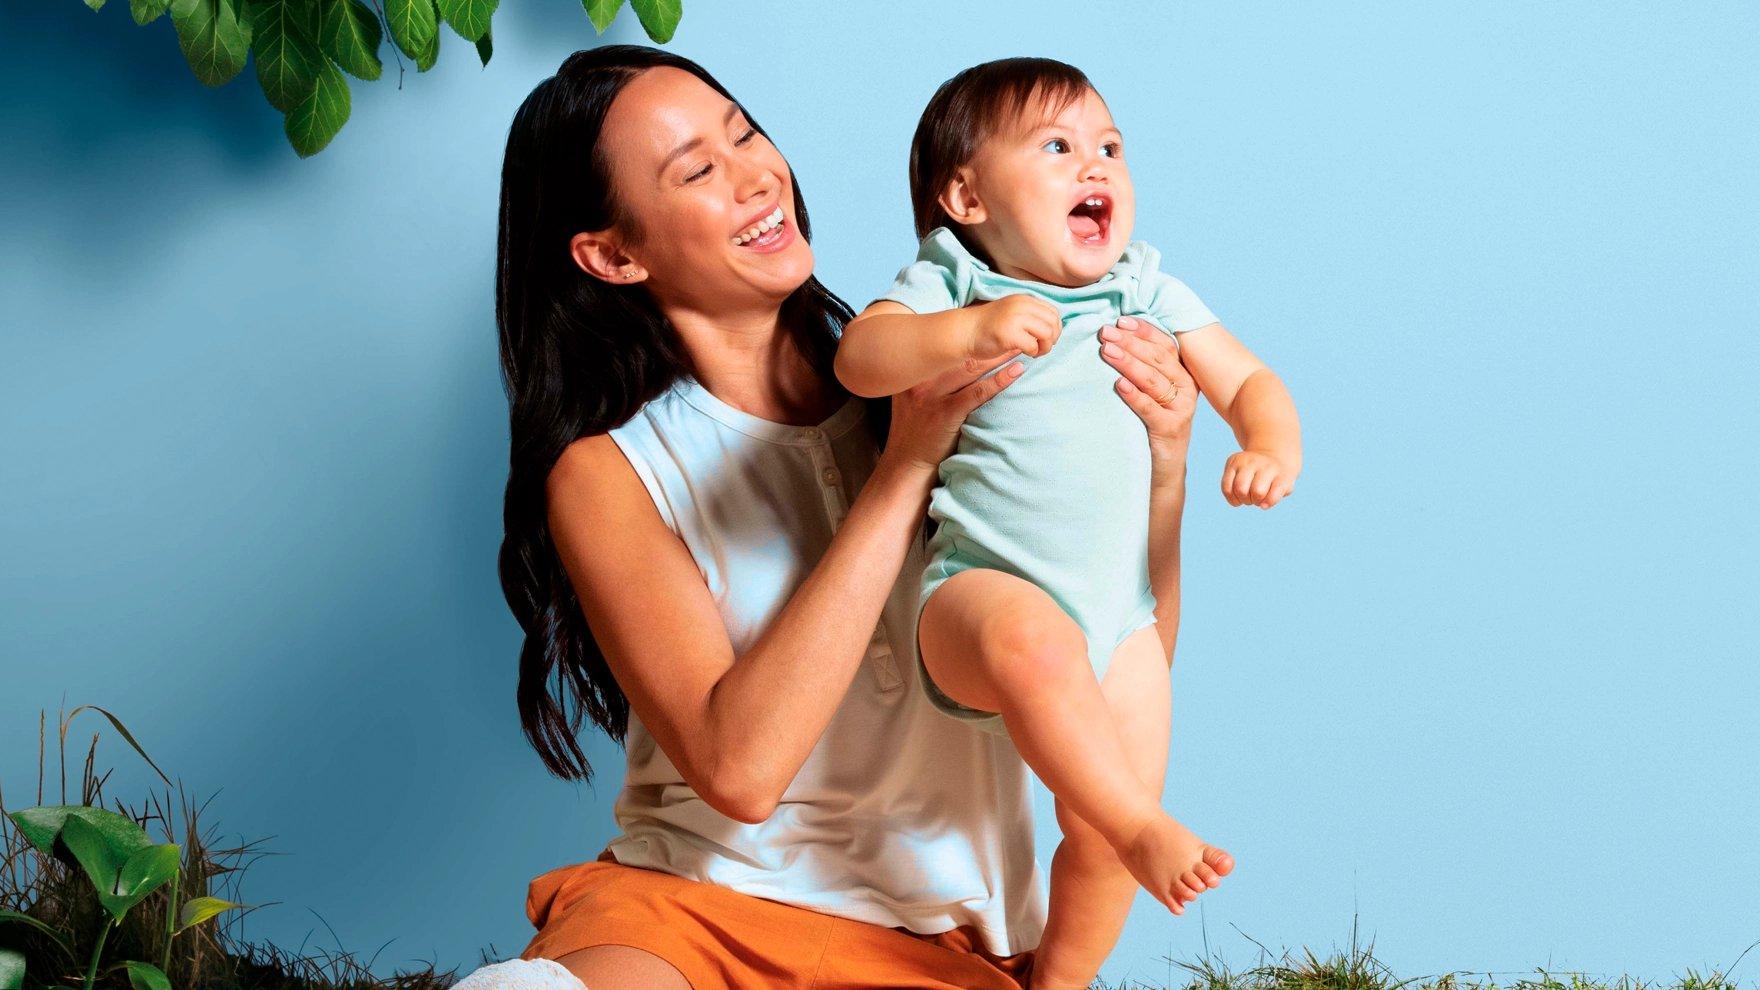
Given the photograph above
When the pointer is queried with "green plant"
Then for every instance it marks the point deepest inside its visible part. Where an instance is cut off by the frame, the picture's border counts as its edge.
(303, 47)
(123, 866)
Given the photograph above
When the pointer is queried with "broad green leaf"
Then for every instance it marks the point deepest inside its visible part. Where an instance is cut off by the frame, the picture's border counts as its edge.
(602, 12)
(146, 976)
(214, 39)
(11, 969)
(25, 919)
(312, 124)
(200, 909)
(659, 17)
(103, 866)
(485, 47)
(42, 825)
(146, 12)
(284, 36)
(470, 18)
(426, 58)
(348, 31)
(412, 24)
(146, 871)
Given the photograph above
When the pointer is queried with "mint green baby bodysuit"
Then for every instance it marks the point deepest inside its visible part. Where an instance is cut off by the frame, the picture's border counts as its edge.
(1050, 478)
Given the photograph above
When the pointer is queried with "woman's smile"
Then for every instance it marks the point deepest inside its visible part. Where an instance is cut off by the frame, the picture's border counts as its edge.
(771, 233)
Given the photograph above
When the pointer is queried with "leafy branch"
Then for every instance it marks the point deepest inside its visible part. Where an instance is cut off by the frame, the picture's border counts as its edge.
(302, 48)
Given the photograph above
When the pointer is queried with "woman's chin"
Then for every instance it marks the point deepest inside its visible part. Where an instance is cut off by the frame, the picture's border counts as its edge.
(779, 273)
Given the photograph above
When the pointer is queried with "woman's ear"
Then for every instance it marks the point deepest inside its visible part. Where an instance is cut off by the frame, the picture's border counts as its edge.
(960, 200)
(599, 255)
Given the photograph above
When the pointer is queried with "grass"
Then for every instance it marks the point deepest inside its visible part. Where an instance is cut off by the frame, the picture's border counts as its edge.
(215, 955)
(1357, 968)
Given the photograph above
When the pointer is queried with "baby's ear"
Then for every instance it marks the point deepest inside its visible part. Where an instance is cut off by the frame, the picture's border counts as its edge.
(960, 200)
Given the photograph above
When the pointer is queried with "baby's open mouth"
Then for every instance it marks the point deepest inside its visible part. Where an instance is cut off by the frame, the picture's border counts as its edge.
(1090, 219)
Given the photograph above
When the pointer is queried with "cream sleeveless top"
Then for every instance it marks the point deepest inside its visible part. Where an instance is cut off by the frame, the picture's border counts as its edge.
(900, 816)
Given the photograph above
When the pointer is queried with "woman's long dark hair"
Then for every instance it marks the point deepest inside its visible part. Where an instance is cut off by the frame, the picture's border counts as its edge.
(579, 356)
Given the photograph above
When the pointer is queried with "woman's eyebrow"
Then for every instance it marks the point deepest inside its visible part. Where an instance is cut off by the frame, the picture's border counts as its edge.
(696, 142)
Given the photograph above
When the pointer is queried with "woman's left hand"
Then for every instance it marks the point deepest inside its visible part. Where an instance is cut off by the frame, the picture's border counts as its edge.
(1156, 386)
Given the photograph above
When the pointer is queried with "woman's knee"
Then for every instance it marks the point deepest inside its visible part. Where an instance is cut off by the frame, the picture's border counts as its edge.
(623, 967)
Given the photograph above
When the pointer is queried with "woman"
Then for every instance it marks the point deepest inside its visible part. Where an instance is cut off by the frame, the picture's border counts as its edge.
(714, 562)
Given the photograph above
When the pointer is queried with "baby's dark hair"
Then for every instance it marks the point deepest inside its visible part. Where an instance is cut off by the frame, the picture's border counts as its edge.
(969, 109)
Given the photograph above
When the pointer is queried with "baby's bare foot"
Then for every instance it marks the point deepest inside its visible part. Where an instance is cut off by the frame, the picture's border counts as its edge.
(1173, 864)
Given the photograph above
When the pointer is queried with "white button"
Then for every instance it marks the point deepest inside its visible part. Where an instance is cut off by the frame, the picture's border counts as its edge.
(830, 476)
(812, 434)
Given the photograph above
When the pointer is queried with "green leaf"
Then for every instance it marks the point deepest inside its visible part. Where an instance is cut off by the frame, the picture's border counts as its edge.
(146, 976)
(11, 969)
(413, 24)
(95, 4)
(25, 919)
(42, 825)
(146, 871)
(426, 58)
(602, 12)
(200, 909)
(146, 12)
(102, 864)
(659, 17)
(348, 31)
(470, 18)
(312, 124)
(285, 38)
(485, 47)
(215, 41)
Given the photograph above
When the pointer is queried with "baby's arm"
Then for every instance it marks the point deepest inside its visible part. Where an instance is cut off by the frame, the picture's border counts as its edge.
(1254, 402)
(1248, 395)
(890, 348)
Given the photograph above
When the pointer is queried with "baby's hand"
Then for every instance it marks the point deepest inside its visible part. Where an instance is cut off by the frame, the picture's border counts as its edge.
(1256, 477)
(1018, 322)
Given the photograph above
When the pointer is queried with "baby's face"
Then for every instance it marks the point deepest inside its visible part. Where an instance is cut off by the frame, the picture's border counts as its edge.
(1056, 195)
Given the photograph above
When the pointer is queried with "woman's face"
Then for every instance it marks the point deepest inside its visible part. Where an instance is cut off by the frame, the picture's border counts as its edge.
(705, 202)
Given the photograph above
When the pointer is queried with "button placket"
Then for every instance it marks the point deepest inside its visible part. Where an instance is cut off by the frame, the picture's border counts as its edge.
(879, 657)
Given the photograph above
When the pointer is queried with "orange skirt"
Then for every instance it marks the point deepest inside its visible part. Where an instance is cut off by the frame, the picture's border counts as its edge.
(721, 939)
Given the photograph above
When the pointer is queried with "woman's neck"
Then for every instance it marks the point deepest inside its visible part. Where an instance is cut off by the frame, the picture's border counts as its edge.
(753, 364)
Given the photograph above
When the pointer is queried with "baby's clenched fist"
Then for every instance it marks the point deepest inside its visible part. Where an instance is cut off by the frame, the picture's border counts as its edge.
(1018, 322)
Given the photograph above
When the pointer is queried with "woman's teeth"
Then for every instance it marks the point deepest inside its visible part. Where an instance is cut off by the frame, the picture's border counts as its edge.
(768, 224)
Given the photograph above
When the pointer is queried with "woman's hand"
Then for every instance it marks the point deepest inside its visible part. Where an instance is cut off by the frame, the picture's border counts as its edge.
(926, 419)
(1155, 385)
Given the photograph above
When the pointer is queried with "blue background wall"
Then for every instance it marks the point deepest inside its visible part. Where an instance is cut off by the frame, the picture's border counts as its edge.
(1488, 678)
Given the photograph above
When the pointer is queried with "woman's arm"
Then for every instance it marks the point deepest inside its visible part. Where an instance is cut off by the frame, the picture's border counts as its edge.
(1149, 362)
(738, 728)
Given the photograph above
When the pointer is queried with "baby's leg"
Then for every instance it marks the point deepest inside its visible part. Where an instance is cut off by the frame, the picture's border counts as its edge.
(1091, 891)
(994, 642)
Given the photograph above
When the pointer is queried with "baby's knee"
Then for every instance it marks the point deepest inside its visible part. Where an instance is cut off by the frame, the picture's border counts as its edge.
(1041, 645)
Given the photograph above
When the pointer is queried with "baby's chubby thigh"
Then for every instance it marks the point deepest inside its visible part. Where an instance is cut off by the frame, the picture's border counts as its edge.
(994, 641)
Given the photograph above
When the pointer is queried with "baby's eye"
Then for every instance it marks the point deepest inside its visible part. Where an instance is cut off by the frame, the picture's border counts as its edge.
(1057, 146)
(1111, 149)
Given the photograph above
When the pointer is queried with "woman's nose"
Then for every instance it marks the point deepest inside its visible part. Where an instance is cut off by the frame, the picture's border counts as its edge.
(752, 181)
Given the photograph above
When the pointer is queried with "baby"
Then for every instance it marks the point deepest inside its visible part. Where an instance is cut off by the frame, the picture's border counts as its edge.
(1037, 617)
